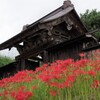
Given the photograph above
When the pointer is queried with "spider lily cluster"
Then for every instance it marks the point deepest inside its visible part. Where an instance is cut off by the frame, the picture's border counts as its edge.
(61, 80)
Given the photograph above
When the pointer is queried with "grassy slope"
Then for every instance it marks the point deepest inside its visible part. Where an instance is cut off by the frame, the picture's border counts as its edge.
(5, 60)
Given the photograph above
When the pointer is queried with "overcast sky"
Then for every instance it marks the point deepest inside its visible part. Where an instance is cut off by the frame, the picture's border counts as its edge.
(16, 13)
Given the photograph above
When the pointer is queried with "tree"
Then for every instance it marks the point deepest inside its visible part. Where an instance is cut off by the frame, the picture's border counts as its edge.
(91, 19)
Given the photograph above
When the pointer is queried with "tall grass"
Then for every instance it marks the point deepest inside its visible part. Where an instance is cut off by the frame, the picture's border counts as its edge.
(62, 80)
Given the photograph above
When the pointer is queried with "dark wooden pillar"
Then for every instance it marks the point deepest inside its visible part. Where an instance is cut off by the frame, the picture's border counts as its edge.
(21, 64)
(45, 56)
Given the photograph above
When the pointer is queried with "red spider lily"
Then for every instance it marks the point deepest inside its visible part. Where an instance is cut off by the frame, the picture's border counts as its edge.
(2, 84)
(82, 55)
(4, 81)
(1, 94)
(58, 85)
(13, 94)
(22, 76)
(6, 92)
(21, 95)
(97, 69)
(81, 63)
(28, 94)
(79, 72)
(45, 78)
(52, 93)
(65, 63)
(53, 84)
(95, 63)
(39, 69)
(62, 85)
(70, 78)
(45, 65)
(21, 88)
(59, 75)
(67, 84)
(55, 76)
(91, 73)
(59, 69)
(68, 62)
(95, 84)
(69, 81)
(34, 87)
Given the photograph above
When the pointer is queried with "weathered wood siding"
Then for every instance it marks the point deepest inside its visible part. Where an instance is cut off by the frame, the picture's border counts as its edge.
(65, 51)
(12, 68)
(8, 70)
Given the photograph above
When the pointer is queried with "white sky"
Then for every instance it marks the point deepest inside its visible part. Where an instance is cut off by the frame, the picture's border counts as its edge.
(16, 13)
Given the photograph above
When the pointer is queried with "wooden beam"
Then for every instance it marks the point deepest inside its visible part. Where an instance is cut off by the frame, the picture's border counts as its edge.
(36, 58)
(19, 38)
(97, 46)
(34, 52)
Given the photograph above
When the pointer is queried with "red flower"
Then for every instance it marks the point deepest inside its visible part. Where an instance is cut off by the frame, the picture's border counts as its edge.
(1, 94)
(13, 94)
(21, 95)
(70, 78)
(53, 93)
(92, 73)
(79, 72)
(81, 63)
(45, 78)
(95, 84)
(28, 94)
(34, 87)
(21, 88)
(69, 81)
(54, 84)
(81, 55)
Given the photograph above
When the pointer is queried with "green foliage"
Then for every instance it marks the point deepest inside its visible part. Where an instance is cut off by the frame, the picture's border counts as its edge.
(97, 34)
(5, 60)
(91, 20)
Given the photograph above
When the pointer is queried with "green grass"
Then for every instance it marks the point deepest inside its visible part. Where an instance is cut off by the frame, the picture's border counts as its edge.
(5, 60)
